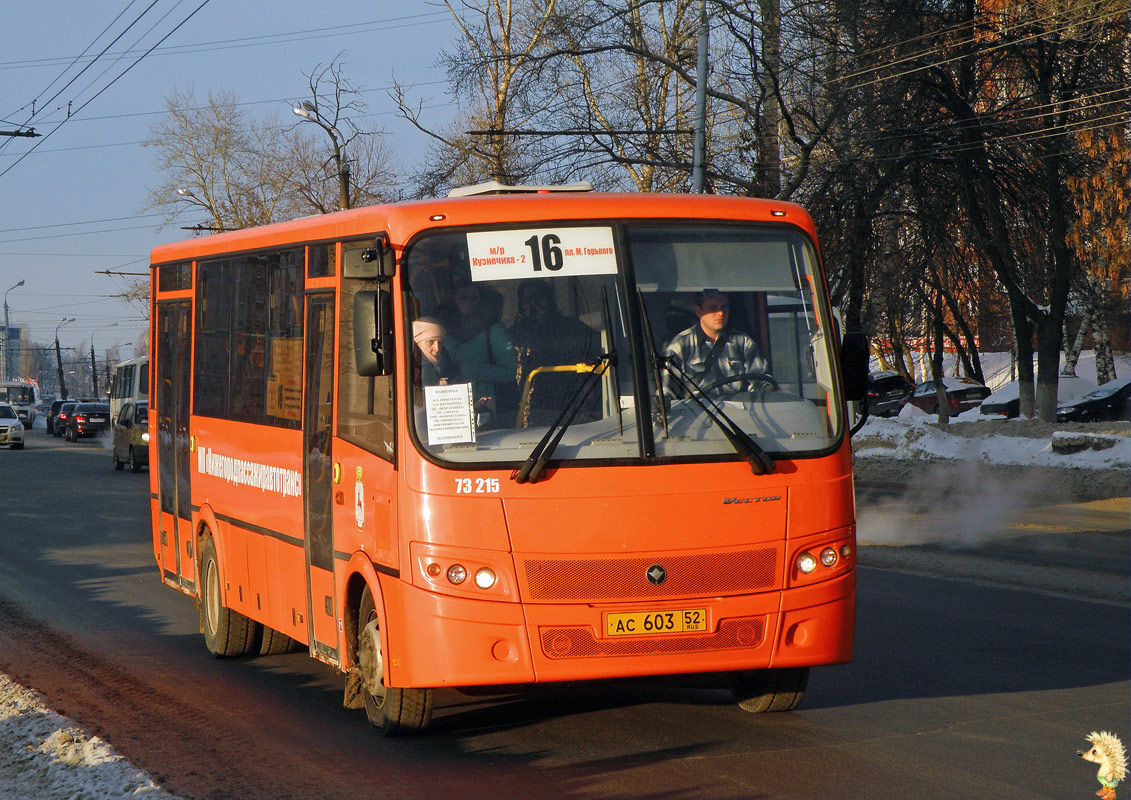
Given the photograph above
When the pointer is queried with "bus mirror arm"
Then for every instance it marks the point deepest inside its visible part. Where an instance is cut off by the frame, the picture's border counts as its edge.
(381, 256)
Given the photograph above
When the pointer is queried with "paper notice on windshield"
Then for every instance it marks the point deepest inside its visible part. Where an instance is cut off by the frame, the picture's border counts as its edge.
(451, 413)
(541, 253)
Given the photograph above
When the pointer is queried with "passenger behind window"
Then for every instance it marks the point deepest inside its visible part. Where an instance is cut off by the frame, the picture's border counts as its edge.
(542, 336)
(434, 366)
(480, 346)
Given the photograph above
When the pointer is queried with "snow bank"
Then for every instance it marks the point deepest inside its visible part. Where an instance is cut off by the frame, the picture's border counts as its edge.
(44, 756)
(915, 434)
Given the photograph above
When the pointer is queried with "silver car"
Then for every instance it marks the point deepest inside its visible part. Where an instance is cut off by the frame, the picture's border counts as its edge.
(11, 429)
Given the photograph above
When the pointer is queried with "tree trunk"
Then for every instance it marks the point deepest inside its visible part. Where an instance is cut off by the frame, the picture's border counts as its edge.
(1023, 332)
(937, 366)
(1105, 362)
(1072, 354)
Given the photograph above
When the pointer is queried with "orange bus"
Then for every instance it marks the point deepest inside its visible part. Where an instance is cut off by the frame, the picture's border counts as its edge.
(513, 436)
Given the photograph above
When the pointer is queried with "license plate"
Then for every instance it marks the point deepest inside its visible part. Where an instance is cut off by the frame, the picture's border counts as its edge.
(98, 419)
(650, 623)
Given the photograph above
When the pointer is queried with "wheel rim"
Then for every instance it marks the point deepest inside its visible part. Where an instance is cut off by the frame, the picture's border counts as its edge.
(370, 661)
(211, 596)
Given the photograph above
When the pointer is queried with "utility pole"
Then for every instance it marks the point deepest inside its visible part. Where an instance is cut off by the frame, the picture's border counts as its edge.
(59, 369)
(7, 333)
(59, 359)
(93, 371)
(699, 159)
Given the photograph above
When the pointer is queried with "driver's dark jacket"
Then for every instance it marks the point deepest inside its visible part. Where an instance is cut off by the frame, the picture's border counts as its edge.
(737, 354)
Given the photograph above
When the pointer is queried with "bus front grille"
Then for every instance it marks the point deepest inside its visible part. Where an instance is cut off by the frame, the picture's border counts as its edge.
(584, 580)
(579, 642)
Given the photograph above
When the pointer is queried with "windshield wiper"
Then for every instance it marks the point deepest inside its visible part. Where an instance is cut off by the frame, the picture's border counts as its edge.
(759, 460)
(535, 463)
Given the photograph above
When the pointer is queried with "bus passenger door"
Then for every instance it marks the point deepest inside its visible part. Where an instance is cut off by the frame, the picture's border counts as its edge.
(178, 565)
(318, 483)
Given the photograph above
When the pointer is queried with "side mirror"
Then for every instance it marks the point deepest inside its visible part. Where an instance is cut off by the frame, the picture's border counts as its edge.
(854, 356)
(373, 333)
(378, 261)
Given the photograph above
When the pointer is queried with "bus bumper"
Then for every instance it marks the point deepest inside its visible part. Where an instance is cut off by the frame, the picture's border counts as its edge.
(486, 643)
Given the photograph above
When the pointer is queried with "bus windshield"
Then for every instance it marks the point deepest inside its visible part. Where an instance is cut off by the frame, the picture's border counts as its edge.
(19, 395)
(642, 340)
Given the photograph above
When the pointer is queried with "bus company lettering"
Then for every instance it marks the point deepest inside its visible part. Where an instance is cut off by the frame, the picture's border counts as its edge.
(264, 477)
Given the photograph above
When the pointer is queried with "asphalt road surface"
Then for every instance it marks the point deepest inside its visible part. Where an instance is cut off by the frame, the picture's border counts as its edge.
(977, 673)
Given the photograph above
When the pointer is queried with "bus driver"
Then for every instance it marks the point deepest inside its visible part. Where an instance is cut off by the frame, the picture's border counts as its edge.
(709, 352)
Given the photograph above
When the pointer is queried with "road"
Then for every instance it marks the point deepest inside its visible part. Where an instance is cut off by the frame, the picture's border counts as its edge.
(968, 682)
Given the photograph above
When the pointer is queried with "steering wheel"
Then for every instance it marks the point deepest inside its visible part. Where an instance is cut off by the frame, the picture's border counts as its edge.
(757, 381)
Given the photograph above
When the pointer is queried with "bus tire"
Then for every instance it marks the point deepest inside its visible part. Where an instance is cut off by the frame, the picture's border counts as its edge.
(273, 642)
(765, 690)
(226, 632)
(392, 711)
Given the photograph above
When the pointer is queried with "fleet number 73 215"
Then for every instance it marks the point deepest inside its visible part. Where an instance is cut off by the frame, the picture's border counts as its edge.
(477, 485)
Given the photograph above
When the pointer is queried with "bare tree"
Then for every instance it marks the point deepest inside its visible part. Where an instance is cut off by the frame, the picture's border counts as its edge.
(348, 165)
(240, 171)
(215, 159)
(489, 67)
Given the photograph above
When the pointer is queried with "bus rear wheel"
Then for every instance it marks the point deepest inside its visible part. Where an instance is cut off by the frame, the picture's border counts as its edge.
(392, 711)
(226, 632)
(762, 690)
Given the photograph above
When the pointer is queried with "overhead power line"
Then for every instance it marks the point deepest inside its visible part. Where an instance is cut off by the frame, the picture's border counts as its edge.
(97, 94)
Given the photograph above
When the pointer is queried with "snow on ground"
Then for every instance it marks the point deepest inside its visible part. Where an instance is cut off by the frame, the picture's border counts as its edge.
(914, 434)
(44, 756)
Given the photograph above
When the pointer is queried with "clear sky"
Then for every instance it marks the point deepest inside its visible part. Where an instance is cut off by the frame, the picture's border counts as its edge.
(76, 204)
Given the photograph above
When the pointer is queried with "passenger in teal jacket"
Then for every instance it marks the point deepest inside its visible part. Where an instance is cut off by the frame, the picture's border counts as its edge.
(480, 345)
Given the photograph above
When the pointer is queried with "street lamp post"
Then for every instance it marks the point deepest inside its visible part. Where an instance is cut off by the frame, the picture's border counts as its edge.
(93, 369)
(308, 111)
(59, 358)
(8, 332)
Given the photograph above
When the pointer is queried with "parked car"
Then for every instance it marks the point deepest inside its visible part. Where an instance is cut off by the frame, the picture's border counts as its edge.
(11, 429)
(961, 393)
(1108, 401)
(131, 436)
(1005, 403)
(886, 391)
(60, 426)
(88, 419)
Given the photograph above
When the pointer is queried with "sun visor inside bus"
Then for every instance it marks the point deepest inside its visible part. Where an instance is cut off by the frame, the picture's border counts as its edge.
(729, 265)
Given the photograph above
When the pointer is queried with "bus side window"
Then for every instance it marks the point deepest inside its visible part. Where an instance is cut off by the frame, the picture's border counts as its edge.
(365, 405)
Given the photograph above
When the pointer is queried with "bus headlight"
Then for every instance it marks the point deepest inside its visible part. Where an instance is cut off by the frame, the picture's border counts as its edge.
(828, 556)
(485, 577)
(806, 563)
(457, 574)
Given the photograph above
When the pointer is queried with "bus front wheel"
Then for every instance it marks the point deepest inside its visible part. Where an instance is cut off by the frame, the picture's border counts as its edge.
(226, 632)
(761, 690)
(392, 711)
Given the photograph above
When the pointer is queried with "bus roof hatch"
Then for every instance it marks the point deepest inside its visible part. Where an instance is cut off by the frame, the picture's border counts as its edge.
(494, 187)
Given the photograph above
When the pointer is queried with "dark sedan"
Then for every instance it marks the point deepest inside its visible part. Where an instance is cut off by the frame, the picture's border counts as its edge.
(1109, 401)
(59, 427)
(962, 394)
(886, 391)
(88, 419)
